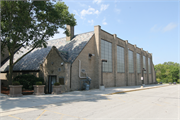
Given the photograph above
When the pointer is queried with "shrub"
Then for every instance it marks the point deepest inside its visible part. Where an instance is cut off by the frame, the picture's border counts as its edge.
(16, 83)
(39, 83)
(170, 80)
(178, 80)
(27, 80)
(56, 84)
(165, 80)
(158, 80)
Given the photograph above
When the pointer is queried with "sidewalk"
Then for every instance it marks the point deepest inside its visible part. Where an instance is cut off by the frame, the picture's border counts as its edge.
(14, 104)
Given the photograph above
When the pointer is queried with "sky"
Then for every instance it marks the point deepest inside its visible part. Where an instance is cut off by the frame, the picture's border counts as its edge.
(150, 24)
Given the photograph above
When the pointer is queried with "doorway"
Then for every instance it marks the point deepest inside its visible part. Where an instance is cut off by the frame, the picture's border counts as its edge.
(51, 80)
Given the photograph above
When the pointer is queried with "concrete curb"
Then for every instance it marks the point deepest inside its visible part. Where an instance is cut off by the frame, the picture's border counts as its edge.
(136, 89)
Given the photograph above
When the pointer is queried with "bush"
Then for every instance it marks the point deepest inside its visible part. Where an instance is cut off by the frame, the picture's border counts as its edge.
(56, 84)
(39, 83)
(16, 83)
(28, 80)
(178, 80)
(170, 80)
(158, 80)
(165, 80)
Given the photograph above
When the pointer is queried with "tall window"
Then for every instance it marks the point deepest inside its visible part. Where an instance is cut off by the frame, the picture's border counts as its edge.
(149, 65)
(138, 63)
(106, 53)
(144, 63)
(120, 59)
(130, 61)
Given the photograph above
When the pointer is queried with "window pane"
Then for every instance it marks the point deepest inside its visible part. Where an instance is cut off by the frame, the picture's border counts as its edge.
(144, 63)
(106, 53)
(120, 59)
(138, 63)
(149, 65)
(130, 61)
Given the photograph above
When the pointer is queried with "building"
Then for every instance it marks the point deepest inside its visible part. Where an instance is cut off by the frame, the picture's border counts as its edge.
(70, 59)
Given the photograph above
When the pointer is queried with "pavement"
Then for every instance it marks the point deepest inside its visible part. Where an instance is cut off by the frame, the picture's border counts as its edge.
(26, 103)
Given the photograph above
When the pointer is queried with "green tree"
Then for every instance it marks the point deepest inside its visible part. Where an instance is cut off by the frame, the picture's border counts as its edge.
(30, 24)
(175, 74)
(167, 72)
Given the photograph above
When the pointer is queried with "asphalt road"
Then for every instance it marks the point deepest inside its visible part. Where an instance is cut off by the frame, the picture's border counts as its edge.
(152, 104)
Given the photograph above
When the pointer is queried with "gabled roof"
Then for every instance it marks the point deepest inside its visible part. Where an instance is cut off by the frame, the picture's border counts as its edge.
(69, 50)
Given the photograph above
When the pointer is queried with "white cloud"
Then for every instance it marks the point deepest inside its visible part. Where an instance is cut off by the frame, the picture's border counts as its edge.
(92, 11)
(118, 20)
(89, 11)
(75, 12)
(155, 28)
(97, 1)
(117, 10)
(91, 22)
(104, 7)
(82, 5)
(169, 27)
(96, 12)
(104, 22)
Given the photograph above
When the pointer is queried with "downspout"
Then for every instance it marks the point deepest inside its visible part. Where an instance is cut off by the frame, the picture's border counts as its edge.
(70, 75)
(80, 70)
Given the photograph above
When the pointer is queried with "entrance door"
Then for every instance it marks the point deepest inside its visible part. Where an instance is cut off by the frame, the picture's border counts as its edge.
(51, 81)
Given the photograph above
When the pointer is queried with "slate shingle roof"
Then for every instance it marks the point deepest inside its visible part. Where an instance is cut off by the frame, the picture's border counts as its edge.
(68, 50)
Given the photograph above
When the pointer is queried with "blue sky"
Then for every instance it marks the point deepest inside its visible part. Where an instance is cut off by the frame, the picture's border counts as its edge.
(150, 24)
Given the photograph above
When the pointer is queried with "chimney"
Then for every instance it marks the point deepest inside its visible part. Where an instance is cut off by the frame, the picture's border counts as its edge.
(71, 32)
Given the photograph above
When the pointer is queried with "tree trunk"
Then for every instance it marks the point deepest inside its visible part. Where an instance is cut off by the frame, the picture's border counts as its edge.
(10, 73)
(11, 63)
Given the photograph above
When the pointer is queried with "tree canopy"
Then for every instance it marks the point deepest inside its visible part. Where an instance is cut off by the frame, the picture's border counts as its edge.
(31, 24)
(167, 72)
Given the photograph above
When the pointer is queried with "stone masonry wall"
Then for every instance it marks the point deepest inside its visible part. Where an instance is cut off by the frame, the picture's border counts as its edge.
(88, 64)
(52, 66)
(120, 79)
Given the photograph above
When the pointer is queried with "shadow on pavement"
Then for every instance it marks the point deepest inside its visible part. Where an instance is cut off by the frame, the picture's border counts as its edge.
(29, 101)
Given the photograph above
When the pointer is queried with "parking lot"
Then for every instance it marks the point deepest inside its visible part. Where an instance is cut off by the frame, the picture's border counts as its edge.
(161, 103)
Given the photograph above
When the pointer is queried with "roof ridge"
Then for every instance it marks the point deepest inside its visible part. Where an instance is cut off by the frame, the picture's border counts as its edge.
(84, 33)
(72, 38)
(56, 39)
